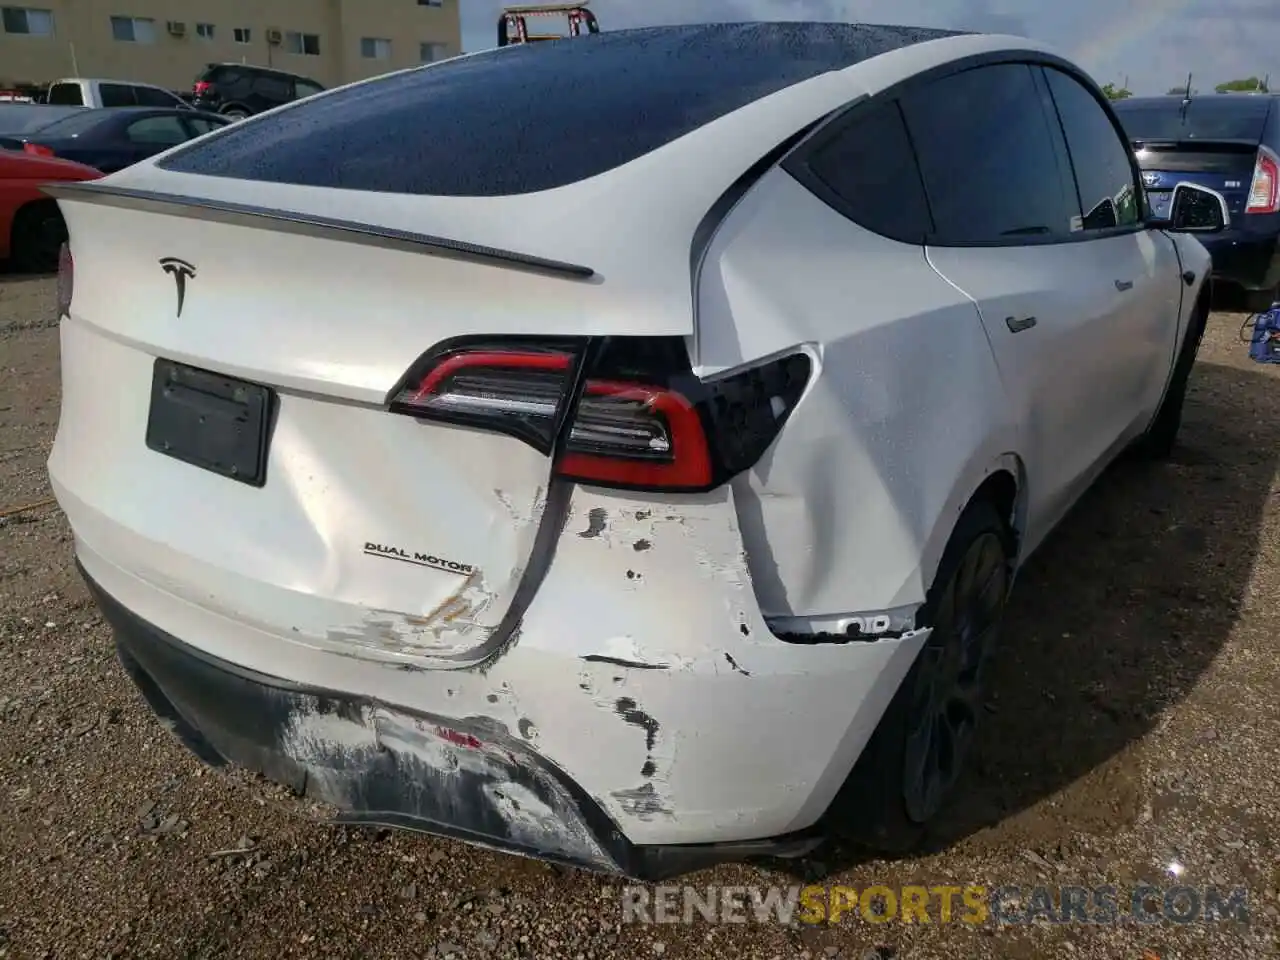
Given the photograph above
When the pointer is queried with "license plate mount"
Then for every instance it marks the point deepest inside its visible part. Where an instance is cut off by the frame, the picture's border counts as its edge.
(211, 421)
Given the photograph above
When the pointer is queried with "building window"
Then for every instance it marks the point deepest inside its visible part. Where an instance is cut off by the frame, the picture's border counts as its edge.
(243, 34)
(204, 30)
(431, 52)
(133, 29)
(431, 3)
(26, 21)
(375, 48)
(307, 44)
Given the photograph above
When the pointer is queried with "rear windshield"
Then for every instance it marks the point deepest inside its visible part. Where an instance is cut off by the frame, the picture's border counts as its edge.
(21, 118)
(533, 116)
(67, 94)
(1217, 117)
(72, 125)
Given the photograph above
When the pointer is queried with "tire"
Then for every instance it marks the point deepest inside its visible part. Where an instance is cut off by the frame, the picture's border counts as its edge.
(235, 113)
(884, 804)
(37, 237)
(1161, 437)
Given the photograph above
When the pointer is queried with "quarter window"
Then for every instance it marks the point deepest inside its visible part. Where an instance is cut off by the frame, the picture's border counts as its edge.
(1099, 156)
(868, 172)
(117, 95)
(153, 97)
(157, 131)
(986, 153)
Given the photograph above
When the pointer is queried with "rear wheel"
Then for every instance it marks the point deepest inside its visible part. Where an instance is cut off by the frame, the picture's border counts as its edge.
(910, 766)
(235, 113)
(37, 237)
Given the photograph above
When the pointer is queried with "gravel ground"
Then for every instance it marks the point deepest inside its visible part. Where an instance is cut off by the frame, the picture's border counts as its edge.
(1135, 724)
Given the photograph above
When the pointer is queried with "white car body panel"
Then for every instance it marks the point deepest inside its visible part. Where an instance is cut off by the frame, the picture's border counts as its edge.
(624, 637)
(91, 90)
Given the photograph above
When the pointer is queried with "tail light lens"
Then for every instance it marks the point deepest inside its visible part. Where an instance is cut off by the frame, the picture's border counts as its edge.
(202, 86)
(623, 412)
(38, 149)
(66, 280)
(1264, 192)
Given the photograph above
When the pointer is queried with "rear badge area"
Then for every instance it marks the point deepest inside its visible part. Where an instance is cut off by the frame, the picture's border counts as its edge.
(388, 552)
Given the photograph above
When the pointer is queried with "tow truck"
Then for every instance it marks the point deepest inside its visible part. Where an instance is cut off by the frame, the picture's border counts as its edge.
(513, 25)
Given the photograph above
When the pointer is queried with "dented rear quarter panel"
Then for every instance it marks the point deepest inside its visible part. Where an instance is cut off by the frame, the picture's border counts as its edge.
(850, 509)
(649, 696)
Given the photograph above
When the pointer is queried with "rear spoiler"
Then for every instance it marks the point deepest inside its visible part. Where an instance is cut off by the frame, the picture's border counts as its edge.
(312, 225)
(1226, 144)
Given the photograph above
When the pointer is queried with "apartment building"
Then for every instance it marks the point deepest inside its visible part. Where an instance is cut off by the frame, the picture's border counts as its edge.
(167, 42)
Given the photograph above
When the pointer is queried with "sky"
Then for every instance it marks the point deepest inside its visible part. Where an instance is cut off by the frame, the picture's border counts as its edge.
(1153, 43)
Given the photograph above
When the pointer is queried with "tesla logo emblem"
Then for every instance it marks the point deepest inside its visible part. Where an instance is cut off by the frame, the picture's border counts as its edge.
(1151, 179)
(181, 271)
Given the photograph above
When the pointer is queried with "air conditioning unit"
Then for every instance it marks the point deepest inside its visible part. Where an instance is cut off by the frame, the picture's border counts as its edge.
(177, 28)
(274, 37)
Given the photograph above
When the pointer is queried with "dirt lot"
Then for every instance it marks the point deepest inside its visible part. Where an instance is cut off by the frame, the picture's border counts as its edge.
(1136, 725)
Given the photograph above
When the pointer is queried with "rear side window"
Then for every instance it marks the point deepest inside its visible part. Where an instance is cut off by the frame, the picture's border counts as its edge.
(991, 169)
(166, 131)
(66, 94)
(1099, 156)
(80, 122)
(153, 97)
(534, 116)
(272, 87)
(868, 172)
(1235, 116)
(117, 95)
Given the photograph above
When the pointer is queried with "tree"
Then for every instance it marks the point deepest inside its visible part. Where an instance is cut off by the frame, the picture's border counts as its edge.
(1249, 85)
(1116, 93)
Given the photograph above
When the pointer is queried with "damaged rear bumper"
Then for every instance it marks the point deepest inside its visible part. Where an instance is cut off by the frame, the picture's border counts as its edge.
(461, 778)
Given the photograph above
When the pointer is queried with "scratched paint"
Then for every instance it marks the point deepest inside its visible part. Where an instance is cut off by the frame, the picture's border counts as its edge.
(452, 629)
(440, 776)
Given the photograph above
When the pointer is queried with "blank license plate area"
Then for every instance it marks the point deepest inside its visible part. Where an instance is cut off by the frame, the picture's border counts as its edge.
(211, 421)
(1160, 203)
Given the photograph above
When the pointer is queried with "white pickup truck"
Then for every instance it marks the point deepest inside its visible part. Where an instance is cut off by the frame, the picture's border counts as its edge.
(84, 92)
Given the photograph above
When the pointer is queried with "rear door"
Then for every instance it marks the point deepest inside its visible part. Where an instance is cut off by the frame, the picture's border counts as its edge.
(1141, 263)
(1008, 232)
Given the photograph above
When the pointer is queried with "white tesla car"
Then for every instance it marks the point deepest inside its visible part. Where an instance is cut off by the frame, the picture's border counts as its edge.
(616, 451)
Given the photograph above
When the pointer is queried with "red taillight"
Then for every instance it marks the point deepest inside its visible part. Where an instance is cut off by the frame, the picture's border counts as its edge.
(66, 280)
(636, 435)
(202, 86)
(1264, 192)
(640, 420)
(38, 149)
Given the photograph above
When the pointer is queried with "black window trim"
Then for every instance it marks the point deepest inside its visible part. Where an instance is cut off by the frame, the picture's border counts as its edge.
(796, 163)
(1134, 173)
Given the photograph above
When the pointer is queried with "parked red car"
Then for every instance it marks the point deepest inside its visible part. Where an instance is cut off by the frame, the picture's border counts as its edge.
(31, 227)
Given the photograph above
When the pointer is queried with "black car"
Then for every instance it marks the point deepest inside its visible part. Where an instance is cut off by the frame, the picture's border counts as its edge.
(1231, 144)
(237, 90)
(113, 139)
